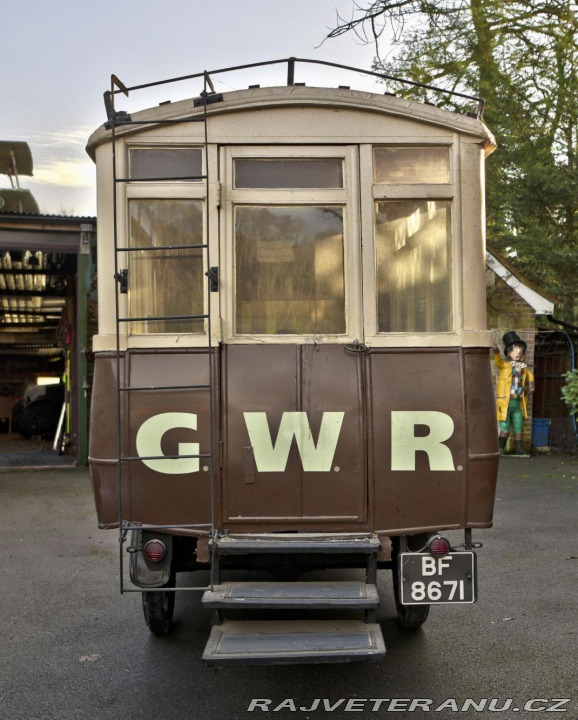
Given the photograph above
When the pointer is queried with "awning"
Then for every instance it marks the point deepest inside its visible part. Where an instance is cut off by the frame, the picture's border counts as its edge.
(18, 201)
(15, 158)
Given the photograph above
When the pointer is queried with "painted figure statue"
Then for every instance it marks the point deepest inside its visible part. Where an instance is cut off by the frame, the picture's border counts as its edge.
(515, 383)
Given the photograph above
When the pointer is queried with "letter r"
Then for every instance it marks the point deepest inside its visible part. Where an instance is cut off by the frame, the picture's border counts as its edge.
(405, 444)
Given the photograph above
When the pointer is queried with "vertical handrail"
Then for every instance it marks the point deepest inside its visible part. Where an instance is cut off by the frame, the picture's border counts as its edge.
(117, 336)
(212, 472)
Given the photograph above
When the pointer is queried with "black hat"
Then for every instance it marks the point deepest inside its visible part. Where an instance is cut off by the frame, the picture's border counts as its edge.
(512, 338)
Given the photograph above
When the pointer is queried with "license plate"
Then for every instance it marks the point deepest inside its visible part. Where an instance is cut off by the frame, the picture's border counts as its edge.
(426, 580)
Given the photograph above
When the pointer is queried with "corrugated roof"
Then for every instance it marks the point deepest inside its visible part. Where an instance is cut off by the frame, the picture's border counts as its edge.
(30, 216)
(30, 349)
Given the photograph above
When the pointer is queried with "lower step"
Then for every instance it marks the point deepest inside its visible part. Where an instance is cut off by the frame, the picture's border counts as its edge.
(293, 642)
(338, 594)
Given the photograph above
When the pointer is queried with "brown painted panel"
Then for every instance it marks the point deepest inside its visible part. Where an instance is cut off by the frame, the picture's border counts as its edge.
(102, 449)
(299, 388)
(274, 382)
(482, 438)
(153, 491)
(421, 382)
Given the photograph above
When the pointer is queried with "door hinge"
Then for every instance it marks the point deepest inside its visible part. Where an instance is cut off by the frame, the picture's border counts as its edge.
(218, 193)
(122, 280)
(213, 275)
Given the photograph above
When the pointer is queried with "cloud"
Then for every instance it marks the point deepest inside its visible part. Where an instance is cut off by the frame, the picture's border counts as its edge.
(68, 173)
(60, 159)
(58, 140)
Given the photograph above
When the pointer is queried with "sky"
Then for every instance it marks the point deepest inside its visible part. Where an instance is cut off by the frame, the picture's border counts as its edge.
(58, 56)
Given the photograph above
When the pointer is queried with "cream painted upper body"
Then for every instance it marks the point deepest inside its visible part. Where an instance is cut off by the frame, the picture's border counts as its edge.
(304, 122)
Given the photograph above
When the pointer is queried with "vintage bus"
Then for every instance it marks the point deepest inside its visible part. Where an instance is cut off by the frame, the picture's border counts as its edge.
(292, 368)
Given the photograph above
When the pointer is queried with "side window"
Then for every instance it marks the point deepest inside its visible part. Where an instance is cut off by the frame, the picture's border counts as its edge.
(166, 164)
(411, 165)
(165, 272)
(413, 241)
(413, 253)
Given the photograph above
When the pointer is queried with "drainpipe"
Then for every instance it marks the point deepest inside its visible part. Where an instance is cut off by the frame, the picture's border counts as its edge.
(84, 282)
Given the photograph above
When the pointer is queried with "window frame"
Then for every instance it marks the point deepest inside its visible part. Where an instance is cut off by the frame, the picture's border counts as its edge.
(347, 198)
(371, 193)
(130, 257)
(163, 146)
(138, 189)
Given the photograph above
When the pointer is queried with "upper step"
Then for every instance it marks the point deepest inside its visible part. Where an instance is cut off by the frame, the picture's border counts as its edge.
(272, 595)
(289, 641)
(297, 543)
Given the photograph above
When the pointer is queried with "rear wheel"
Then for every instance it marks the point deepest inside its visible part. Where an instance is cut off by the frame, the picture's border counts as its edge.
(408, 616)
(158, 608)
(40, 418)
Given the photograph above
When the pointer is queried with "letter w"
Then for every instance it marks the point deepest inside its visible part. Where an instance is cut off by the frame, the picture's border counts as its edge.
(273, 458)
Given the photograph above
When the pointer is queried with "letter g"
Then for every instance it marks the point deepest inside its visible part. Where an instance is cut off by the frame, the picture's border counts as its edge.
(148, 442)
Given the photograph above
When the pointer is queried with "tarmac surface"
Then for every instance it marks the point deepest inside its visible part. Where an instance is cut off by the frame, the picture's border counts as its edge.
(18, 452)
(73, 648)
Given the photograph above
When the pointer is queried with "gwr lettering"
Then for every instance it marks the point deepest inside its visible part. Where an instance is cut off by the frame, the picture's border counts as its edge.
(272, 456)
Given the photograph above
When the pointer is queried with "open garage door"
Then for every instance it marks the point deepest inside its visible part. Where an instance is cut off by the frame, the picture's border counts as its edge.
(45, 278)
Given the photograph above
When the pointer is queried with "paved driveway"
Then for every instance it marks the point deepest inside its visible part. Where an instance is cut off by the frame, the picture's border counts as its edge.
(72, 647)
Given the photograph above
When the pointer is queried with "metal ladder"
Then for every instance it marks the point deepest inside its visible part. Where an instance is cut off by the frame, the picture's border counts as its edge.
(122, 119)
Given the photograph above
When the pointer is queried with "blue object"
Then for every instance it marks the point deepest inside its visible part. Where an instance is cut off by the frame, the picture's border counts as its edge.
(540, 432)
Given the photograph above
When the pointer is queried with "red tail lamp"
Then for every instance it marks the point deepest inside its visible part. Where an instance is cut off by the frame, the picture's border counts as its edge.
(155, 550)
(438, 546)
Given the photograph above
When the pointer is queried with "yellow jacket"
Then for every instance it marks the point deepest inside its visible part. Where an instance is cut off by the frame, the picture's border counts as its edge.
(505, 384)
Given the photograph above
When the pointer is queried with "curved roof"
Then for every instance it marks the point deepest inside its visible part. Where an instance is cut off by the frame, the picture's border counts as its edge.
(300, 96)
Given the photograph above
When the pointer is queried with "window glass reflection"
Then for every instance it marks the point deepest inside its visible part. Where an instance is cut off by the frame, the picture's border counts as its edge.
(289, 173)
(413, 266)
(289, 270)
(165, 281)
(420, 164)
(166, 164)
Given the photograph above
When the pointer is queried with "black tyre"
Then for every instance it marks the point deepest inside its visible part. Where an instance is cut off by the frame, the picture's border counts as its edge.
(40, 418)
(158, 608)
(18, 415)
(408, 616)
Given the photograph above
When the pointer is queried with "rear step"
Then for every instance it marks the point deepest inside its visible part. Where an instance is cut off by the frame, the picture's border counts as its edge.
(296, 543)
(255, 642)
(289, 641)
(275, 595)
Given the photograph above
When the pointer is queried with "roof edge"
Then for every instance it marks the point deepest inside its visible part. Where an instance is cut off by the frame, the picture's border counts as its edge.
(541, 304)
(282, 96)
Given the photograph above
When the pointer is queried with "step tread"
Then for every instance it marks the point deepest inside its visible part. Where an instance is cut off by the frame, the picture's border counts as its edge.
(289, 641)
(293, 594)
(297, 543)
